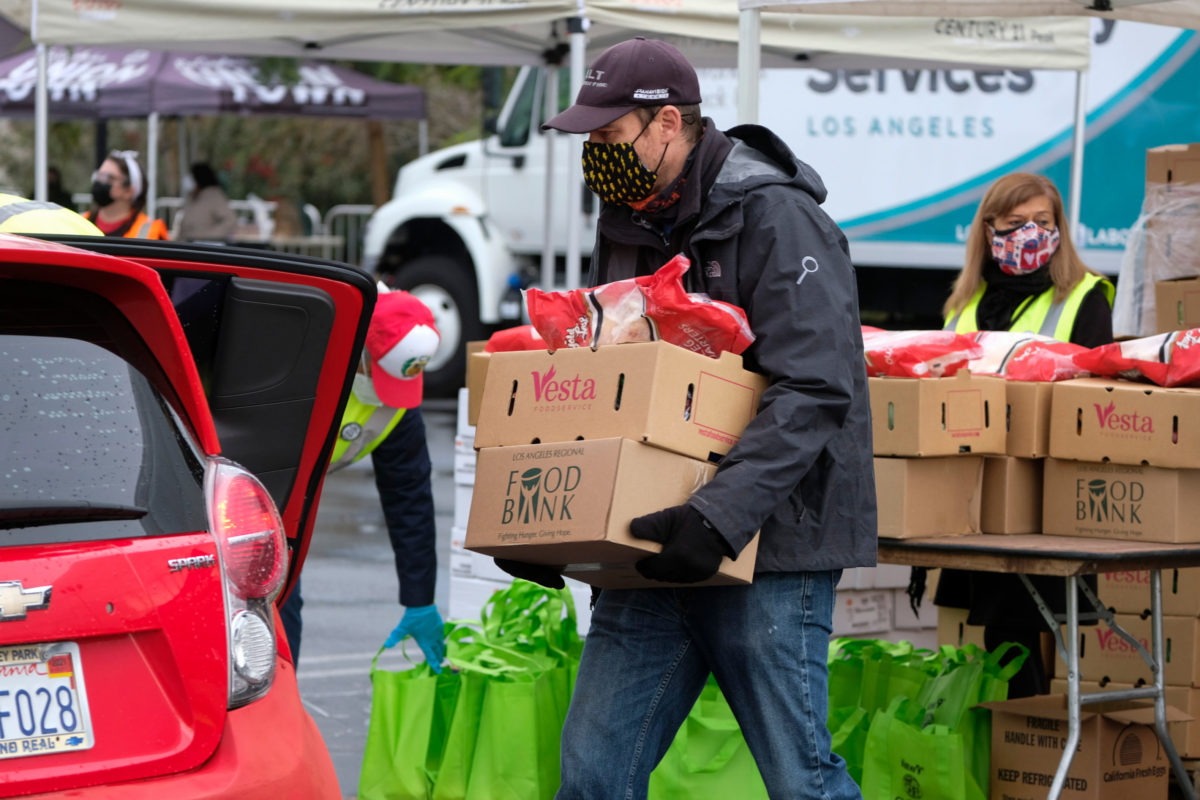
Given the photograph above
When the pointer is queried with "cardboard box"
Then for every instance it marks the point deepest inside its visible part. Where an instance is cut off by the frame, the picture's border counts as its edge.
(652, 392)
(1177, 304)
(1172, 164)
(952, 628)
(1105, 656)
(919, 497)
(1129, 592)
(1094, 419)
(1028, 418)
(1011, 499)
(1185, 733)
(1118, 756)
(859, 613)
(903, 618)
(938, 416)
(477, 364)
(1118, 501)
(883, 576)
(571, 504)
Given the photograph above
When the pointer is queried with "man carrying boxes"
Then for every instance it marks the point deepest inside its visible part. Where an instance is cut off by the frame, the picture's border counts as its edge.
(746, 213)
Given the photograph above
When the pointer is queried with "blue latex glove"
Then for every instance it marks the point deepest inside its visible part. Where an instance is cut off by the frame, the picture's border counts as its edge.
(424, 624)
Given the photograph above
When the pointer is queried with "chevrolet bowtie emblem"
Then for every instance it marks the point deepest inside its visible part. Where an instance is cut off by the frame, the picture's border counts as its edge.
(16, 600)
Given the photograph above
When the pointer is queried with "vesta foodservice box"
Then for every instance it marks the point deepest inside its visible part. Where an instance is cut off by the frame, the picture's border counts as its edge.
(652, 392)
(1011, 500)
(1120, 501)
(920, 497)
(570, 503)
(1095, 419)
(1104, 655)
(1177, 304)
(1128, 592)
(477, 364)
(938, 416)
(1028, 418)
(1118, 756)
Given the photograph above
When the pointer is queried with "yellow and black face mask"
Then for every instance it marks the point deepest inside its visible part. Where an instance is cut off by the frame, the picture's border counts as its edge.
(616, 173)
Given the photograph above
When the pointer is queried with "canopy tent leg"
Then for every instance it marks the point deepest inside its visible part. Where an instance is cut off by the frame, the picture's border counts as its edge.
(577, 28)
(749, 62)
(152, 164)
(1079, 135)
(41, 125)
(550, 138)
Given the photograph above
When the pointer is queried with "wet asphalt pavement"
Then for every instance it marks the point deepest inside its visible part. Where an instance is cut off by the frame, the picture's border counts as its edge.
(351, 597)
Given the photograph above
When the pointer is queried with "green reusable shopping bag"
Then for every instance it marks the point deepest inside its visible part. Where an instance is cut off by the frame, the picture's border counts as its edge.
(848, 727)
(971, 676)
(709, 757)
(903, 758)
(518, 665)
(409, 710)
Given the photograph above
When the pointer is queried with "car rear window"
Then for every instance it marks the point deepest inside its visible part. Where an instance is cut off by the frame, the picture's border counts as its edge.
(89, 447)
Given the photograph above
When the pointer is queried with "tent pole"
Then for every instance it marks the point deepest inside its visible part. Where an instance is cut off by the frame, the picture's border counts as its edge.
(41, 136)
(423, 136)
(577, 27)
(1075, 224)
(550, 139)
(152, 164)
(749, 63)
(181, 148)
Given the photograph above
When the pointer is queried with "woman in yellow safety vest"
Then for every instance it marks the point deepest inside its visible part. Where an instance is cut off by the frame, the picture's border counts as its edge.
(119, 197)
(1022, 274)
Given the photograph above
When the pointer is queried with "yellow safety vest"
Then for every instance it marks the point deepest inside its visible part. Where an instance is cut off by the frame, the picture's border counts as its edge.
(21, 215)
(363, 428)
(1038, 313)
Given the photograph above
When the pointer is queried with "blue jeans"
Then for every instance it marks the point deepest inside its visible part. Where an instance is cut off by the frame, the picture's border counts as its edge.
(648, 654)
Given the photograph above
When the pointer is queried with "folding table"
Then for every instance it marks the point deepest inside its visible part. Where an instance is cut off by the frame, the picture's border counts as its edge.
(1069, 557)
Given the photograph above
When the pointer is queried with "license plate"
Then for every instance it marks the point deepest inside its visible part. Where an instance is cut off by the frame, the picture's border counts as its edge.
(43, 704)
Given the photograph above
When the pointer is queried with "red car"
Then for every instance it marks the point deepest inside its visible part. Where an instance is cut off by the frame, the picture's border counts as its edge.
(166, 415)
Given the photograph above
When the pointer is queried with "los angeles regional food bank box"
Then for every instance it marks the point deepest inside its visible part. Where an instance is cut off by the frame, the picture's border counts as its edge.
(570, 503)
(652, 392)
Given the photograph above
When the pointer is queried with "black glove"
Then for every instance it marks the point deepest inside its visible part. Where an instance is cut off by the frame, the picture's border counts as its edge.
(550, 577)
(692, 548)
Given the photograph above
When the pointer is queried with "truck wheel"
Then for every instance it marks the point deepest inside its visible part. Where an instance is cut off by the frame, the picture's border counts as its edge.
(448, 289)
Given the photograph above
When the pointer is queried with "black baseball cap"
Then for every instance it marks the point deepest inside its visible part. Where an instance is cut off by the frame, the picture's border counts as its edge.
(637, 72)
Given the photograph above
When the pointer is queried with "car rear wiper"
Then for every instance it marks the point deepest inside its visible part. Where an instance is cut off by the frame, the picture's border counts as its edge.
(22, 515)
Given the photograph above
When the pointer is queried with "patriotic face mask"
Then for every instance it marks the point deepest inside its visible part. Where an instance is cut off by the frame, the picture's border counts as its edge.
(1024, 249)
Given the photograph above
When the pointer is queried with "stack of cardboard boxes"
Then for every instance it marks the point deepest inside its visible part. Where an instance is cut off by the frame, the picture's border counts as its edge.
(1173, 235)
(939, 442)
(574, 444)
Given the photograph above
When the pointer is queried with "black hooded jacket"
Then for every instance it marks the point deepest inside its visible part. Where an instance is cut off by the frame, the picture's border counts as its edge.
(749, 218)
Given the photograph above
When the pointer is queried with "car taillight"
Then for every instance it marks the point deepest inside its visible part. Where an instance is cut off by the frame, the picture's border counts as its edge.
(253, 551)
(249, 531)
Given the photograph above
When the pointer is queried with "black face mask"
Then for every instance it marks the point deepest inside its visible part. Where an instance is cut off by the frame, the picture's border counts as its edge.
(101, 194)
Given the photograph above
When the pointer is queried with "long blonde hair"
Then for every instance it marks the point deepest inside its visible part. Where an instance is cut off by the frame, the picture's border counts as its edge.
(1066, 267)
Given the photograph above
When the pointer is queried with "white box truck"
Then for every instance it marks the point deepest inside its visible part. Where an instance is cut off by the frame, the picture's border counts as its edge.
(905, 153)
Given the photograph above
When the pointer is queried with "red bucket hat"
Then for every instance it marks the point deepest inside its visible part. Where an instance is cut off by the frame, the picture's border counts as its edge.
(401, 339)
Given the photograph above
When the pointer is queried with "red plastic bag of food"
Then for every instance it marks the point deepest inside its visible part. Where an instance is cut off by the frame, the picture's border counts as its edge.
(1026, 357)
(1168, 359)
(522, 337)
(917, 354)
(643, 309)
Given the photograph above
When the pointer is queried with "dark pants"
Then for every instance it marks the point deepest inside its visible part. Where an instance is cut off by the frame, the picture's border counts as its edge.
(403, 480)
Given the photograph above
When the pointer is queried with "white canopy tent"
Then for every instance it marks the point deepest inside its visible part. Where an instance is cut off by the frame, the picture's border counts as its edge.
(994, 16)
(534, 32)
